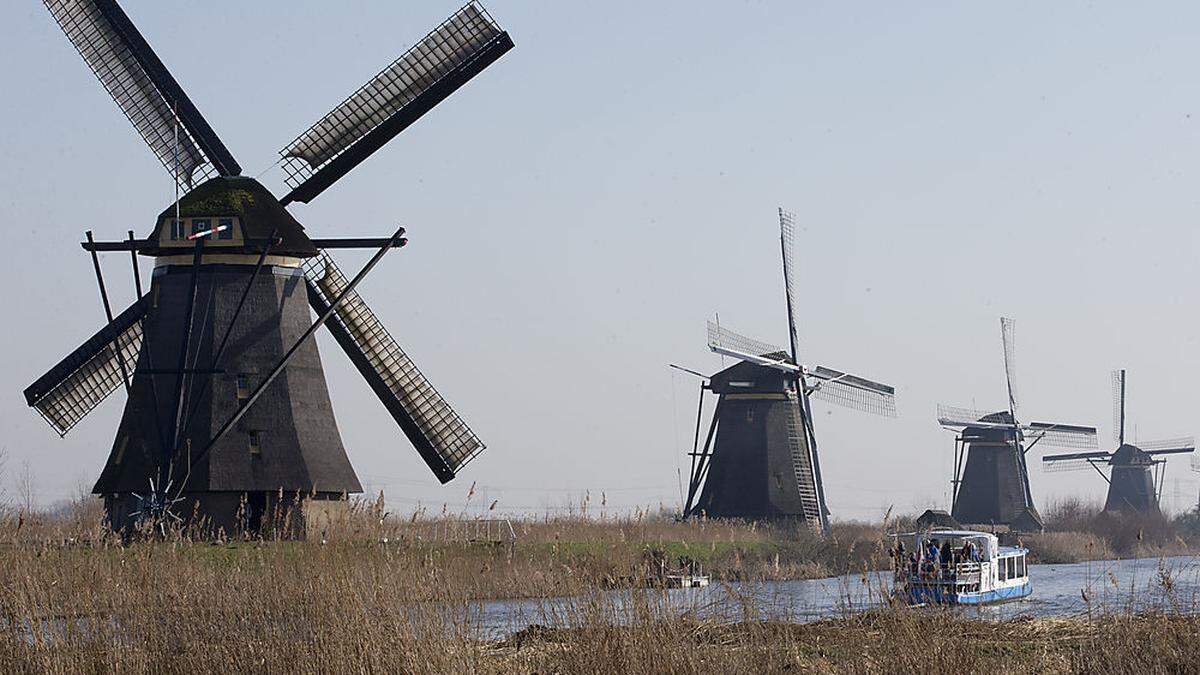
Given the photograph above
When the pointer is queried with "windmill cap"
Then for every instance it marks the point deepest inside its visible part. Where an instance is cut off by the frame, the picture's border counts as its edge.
(1131, 454)
(257, 210)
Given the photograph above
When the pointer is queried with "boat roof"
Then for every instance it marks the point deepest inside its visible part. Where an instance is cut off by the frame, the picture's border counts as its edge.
(948, 533)
(1008, 550)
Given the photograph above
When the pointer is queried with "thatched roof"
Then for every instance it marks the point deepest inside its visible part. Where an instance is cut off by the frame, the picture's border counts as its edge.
(258, 209)
(937, 519)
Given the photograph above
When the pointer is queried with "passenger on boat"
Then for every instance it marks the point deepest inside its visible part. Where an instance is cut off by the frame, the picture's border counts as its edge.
(969, 552)
(932, 559)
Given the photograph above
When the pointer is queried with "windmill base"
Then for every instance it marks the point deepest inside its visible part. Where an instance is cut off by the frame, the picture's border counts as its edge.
(219, 515)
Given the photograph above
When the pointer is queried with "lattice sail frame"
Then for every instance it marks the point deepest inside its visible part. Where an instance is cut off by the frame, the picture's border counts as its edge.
(1008, 338)
(951, 416)
(1071, 437)
(787, 235)
(1065, 465)
(852, 391)
(727, 339)
(442, 428)
(111, 60)
(446, 47)
(90, 373)
(1118, 392)
(1179, 443)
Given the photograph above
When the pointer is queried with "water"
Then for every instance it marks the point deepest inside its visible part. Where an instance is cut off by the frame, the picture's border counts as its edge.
(1058, 590)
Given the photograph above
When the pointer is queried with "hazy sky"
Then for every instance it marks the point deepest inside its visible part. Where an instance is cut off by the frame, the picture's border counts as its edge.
(579, 210)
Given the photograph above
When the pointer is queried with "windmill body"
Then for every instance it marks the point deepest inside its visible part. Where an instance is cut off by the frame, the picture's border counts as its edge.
(993, 484)
(1135, 468)
(289, 441)
(228, 416)
(991, 477)
(759, 459)
(759, 466)
(1131, 481)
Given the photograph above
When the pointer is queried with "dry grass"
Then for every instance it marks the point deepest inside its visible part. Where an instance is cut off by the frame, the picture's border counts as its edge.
(1078, 530)
(885, 641)
(409, 605)
(302, 607)
(1066, 547)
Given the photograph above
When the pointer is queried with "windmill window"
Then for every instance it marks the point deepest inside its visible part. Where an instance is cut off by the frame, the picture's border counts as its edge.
(227, 233)
(177, 229)
(243, 386)
(256, 443)
(199, 224)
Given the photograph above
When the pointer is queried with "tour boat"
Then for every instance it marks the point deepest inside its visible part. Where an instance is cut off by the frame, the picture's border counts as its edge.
(968, 568)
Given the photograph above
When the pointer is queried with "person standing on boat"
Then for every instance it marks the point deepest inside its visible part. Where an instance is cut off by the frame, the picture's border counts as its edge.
(932, 556)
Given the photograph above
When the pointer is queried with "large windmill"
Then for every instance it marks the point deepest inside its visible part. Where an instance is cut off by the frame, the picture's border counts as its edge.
(993, 488)
(228, 407)
(759, 459)
(1135, 469)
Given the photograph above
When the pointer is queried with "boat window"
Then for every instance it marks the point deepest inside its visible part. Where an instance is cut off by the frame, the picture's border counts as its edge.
(1001, 569)
(1012, 567)
(1021, 566)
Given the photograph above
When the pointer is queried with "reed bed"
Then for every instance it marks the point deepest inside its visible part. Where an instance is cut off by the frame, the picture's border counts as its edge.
(385, 598)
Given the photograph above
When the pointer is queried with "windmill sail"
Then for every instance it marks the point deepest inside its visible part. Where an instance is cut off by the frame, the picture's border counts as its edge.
(787, 238)
(852, 391)
(82, 380)
(1061, 435)
(399, 95)
(436, 431)
(1167, 446)
(1075, 461)
(957, 417)
(1118, 386)
(143, 88)
(1047, 433)
(727, 342)
(1008, 337)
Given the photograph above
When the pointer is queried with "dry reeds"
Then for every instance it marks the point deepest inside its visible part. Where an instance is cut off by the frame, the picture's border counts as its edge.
(388, 597)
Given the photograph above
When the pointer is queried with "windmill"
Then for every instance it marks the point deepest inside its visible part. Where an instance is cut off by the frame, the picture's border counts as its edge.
(759, 458)
(1136, 469)
(993, 488)
(228, 410)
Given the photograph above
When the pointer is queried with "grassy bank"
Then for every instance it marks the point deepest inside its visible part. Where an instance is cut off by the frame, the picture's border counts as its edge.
(554, 555)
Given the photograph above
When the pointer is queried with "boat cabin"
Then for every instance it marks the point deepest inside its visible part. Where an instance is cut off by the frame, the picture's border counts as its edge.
(958, 567)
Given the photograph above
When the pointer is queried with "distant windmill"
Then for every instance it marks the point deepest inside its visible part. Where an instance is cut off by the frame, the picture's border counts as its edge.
(763, 462)
(1135, 469)
(993, 488)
